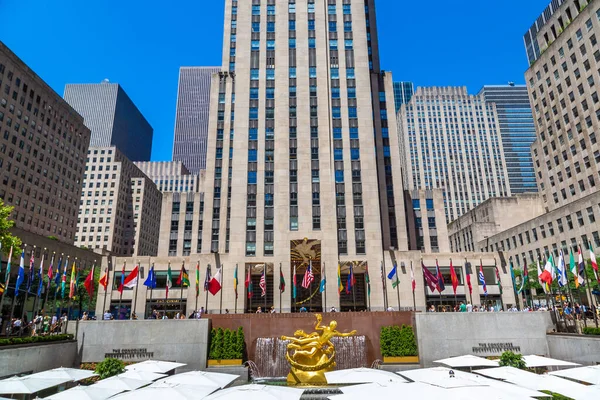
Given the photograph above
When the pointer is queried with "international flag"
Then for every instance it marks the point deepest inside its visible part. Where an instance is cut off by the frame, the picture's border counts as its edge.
(169, 281)
(281, 281)
(453, 277)
(63, 282)
(122, 285)
(482, 278)
(89, 283)
(2, 287)
(412, 278)
(235, 281)
(339, 279)
(21, 274)
(131, 280)
(581, 269)
(512, 276)
(198, 280)
(562, 270)
(7, 274)
(104, 279)
(150, 281)
(525, 277)
(50, 272)
(351, 281)
(368, 280)
(594, 263)
(430, 279)
(72, 282)
(249, 283)
(394, 273)
(215, 283)
(41, 276)
(183, 279)
(440, 286)
(469, 272)
(31, 272)
(539, 272)
(548, 272)
(57, 276)
(263, 282)
(499, 279)
(295, 283)
(207, 278)
(308, 276)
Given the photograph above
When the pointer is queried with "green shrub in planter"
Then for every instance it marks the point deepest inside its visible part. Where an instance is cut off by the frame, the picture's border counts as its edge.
(110, 367)
(396, 341)
(591, 331)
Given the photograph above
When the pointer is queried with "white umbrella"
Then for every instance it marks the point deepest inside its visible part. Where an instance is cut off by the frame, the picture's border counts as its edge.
(85, 393)
(484, 392)
(538, 361)
(154, 366)
(362, 375)
(257, 392)
(200, 378)
(589, 374)
(123, 383)
(142, 375)
(414, 390)
(439, 376)
(27, 384)
(467, 361)
(70, 374)
(167, 391)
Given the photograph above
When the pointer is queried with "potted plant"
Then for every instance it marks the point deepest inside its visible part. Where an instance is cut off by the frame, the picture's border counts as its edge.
(398, 345)
(226, 347)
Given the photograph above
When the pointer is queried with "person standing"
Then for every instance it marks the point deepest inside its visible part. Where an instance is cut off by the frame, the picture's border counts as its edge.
(462, 307)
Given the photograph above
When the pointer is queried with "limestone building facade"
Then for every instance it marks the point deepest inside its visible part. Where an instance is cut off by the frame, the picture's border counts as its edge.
(171, 176)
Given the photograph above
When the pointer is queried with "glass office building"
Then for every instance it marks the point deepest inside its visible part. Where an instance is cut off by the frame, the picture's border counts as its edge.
(403, 92)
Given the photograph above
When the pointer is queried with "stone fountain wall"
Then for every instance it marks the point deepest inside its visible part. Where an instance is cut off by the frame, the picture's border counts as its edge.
(271, 326)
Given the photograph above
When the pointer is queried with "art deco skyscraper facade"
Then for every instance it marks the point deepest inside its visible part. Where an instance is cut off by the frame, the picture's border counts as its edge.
(191, 121)
(112, 117)
(451, 141)
(517, 132)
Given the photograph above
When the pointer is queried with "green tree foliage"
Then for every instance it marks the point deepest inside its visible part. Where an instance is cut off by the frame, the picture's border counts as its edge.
(556, 396)
(226, 344)
(6, 238)
(110, 367)
(396, 341)
(510, 359)
(590, 330)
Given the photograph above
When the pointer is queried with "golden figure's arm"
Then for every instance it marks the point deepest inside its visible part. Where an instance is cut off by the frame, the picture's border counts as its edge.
(352, 333)
(319, 320)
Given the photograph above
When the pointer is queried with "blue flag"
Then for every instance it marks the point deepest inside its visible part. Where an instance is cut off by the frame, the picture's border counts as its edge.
(151, 279)
(21, 275)
(392, 272)
(40, 277)
(322, 286)
(440, 277)
(57, 277)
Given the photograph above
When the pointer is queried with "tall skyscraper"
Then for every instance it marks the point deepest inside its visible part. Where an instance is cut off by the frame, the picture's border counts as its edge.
(191, 120)
(112, 117)
(42, 152)
(517, 132)
(403, 92)
(451, 140)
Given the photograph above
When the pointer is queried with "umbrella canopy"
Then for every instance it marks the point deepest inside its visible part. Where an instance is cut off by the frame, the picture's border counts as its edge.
(27, 384)
(122, 383)
(468, 361)
(535, 381)
(363, 375)
(589, 375)
(166, 391)
(257, 392)
(85, 393)
(438, 377)
(142, 375)
(154, 366)
(393, 390)
(69, 374)
(200, 378)
(538, 361)
(484, 392)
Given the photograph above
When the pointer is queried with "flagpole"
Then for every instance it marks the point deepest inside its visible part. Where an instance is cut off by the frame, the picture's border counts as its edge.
(383, 275)
(35, 301)
(206, 289)
(137, 282)
(151, 291)
(27, 289)
(7, 281)
(470, 297)
(425, 284)
(105, 290)
(589, 291)
(455, 299)
(48, 287)
(249, 285)
(15, 295)
(70, 301)
(397, 286)
(221, 296)
(121, 291)
(266, 286)
(198, 288)
(280, 274)
(169, 281)
(411, 283)
(352, 284)
(181, 293)
(324, 288)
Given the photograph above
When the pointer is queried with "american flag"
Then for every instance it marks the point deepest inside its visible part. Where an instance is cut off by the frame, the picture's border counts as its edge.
(263, 282)
(308, 276)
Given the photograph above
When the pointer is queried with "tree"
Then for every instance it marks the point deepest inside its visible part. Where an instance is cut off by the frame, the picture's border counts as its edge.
(6, 238)
(510, 359)
(110, 367)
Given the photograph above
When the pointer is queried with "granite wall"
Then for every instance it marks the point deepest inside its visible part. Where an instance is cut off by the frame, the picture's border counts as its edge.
(575, 348)
(22, 359)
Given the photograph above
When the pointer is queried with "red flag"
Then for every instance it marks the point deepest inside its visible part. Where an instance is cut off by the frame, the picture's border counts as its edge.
(430, 279)
(131, 280)
(104, 280)
(453, 277)
(468, 271)
(215, 283)
(89, 283)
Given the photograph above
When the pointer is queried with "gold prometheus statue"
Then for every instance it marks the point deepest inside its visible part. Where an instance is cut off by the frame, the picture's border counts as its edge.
(312, 354)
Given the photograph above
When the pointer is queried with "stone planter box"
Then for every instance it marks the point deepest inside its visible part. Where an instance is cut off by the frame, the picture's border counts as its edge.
(401, 360)
(217, 363)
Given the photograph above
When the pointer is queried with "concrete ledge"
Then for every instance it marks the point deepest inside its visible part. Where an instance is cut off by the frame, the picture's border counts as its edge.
(582, 349)
(37, 357)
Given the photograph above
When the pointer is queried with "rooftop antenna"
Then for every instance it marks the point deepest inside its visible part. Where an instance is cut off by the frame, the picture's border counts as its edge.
(105, 80)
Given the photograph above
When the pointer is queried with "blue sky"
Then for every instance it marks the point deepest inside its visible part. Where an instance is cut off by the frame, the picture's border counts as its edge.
(142, 44)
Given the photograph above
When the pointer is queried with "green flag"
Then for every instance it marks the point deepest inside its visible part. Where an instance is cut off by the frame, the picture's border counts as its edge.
(169, 280)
